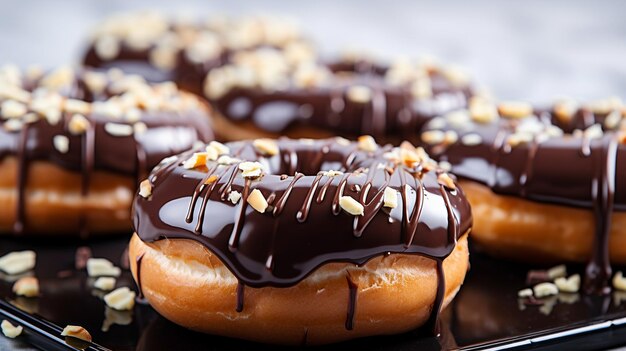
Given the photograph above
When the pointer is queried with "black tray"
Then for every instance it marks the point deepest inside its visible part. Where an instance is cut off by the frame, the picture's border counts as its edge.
(486, 314)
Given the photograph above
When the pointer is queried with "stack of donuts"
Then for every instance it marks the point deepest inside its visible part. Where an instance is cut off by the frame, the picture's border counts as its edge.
(263, 206)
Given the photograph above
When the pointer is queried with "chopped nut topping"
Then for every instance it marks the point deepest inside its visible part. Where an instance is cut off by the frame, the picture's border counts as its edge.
(565, 109)
(234, 197)
(60, 77)
(525, 293)
(219, 147)
(197, 159)
(515, 109)
(118, 129)
(163, 57)
(227, 160)
(120, 299)
(445, 180)
(545, 289)
(482, 111)
(458, 118)
(450, 137)
(78, 124)
(351, 206)
(471, 139)
(9, 330)
(367, 143)
(77, 332)
(77, 106)
(593, 132)
(26, 286)
(17, 262)
(97, 267)
(456, 75)
(12, 109)
(612, 119)
(606, 105)
(570, 285)
(95, 81)
(107, 47)
(437, 123)
(559, 271)
(145, 188)
(359, 94)
(104, 283)
(13, 125)
(433, 137)
(332, 173)
(519, 138)
(267, 147)
(251, 169)
(110, 108)
(619, 282)
(421, 88)
(390, 198)
(140, 128)
(342, 141)
(445, 165)
(257, 201)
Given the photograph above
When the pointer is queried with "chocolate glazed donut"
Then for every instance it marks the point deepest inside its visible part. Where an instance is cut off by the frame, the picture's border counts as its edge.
(296, 214)
(560, 174)
(74, 144)
(266, 80)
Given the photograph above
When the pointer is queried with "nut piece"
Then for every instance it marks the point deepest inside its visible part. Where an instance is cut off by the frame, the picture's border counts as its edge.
(433, 137)
(61, 143)
(359, 94)
(257, 201)
(220, 148)
(104, 283)
(9, 330)
(234, 197)
(12, 109)
(390, 198)
(27, 286)
(76, 331)
(77, 106)
(593, 132)
(515, 109)
(121, 299)
(97, 267)
(267, 147)
(227, 160)
(525, 293)
(197, 159)
(559, 271)
(145, 188)
(619, 282)
(545, 289)
(251, 169)
(570, 285)
(118, 129)
(367, 143)
(78, 124)
(351, 206)
(331, 173)
(471, 139)
(445, 180)
(17, 262)
(482, 111)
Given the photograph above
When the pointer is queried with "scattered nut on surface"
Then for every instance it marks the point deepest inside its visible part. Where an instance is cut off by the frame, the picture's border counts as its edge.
(557, 271)
(118, 129)
(545, 289)
(447, 181)
(18, 262)
(515, 109)
(251, 169)
(227, 160)
(12, 109)
(77, 106)
(26, 286)
(525, 293)
(619, 282)
(471, 139)
(145, 188)
(390, 198)
(61, 143)
(97, 267)
(359, 94)
(593, 132)
(433, 137)
(105, 283)
(351, 206)
(367, 143)
(219, 147)
(257, 201)
(198, 159)
(78, 124)
(570, 285)
(234, 197)
(76, 331)
(482, 111)
(9, 330)
(120, 299)
(267, 147)
(332, 173)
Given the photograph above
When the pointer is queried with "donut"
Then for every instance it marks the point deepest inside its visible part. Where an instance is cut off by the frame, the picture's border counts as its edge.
(268, 81)
(73, 145)
(300, 241)
(545, 184)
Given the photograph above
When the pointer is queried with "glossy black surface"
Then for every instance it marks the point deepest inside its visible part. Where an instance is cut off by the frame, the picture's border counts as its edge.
(484, 314)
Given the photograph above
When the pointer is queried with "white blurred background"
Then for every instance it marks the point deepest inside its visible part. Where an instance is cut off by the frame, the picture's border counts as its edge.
(533, 50)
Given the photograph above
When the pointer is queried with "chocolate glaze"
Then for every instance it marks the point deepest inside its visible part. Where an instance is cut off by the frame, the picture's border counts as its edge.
(569, 170)
(260, 249)
(167, 133)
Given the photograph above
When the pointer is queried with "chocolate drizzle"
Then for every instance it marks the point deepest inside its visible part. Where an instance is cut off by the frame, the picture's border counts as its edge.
(579, 169)
(95, 149)
(304, 227)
